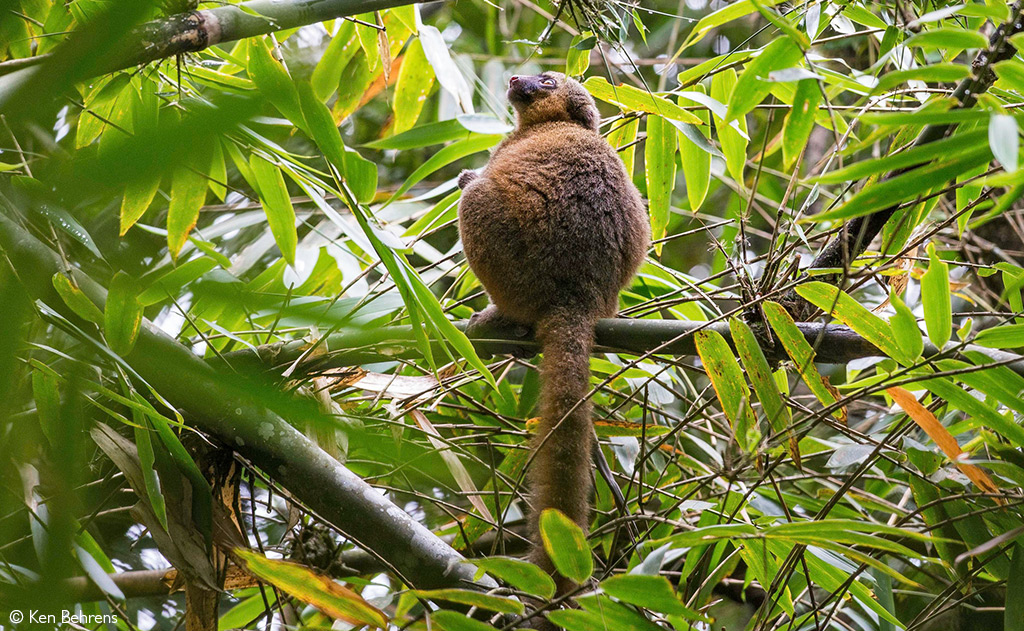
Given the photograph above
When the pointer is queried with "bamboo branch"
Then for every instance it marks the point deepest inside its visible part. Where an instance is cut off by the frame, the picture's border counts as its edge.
(229, 413)
(857, 234)
(834, 344)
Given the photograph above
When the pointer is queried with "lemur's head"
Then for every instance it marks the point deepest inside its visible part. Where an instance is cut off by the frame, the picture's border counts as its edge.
(549, 97)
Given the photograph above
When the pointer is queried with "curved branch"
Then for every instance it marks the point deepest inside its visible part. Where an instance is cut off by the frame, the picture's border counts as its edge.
(229, 412)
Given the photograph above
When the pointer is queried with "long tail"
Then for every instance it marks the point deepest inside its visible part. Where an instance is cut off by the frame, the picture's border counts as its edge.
(560, 475)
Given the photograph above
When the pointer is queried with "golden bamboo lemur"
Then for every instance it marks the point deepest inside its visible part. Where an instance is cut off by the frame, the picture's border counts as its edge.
(553, 227)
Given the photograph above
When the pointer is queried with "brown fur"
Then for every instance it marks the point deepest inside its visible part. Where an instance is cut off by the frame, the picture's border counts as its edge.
(553, 227)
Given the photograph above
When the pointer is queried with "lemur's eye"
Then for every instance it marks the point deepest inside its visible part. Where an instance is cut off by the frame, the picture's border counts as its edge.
(547, 82)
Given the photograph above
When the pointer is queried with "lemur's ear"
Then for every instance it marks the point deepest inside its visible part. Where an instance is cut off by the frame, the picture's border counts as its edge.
(582, 110)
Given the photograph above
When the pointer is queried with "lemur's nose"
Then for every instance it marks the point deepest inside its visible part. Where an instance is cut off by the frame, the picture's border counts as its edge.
(514, 80)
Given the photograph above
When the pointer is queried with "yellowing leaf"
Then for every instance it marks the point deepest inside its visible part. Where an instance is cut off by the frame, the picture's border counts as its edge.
(938, 433)
(334, 600)
(75, 299)
(730, 386)
(566, 545)
(188, 194)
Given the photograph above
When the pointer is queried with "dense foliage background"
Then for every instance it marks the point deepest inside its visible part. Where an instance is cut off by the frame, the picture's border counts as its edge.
(282, 205)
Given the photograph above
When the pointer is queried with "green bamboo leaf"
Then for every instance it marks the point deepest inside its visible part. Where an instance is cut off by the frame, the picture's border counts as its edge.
(695, 158)
(367, 36)
(730, 386)
(775, 409)
(733, 141)
(949, 38)
(796, 129)
(423, 136)
(575, 620)
(455, 151)
(800, 351)
(277, 204)
(908, 185)
(623, 134)
(783, 23)
(632, 99)
(908, 158)
(171, 281)
(330, 597)
(344, 45)
(844, 308)
(753, 86)
(998, 382)
(937, 73)
(247, 610)
(455, 621)
(608, 614)
(520, 574)
(98, 107)
(122, 315)
(355, 80)
(273, 81)
(660, 160)
(202, 498)
(361, 175)
(935, 298)
(730, 12)
(651, 592)
(188, 194)
(218, 173)
(1005, 336)
(473, 598)
(578, 56)
(566, 545)
(138, 195)
(905, 329)
(982, 415)
(46, 395)
(415, 80)
(76, 300)
(147, 464)
(439, 322)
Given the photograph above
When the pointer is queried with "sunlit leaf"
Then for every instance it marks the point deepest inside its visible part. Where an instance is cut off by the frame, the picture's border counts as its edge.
(633, 99)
